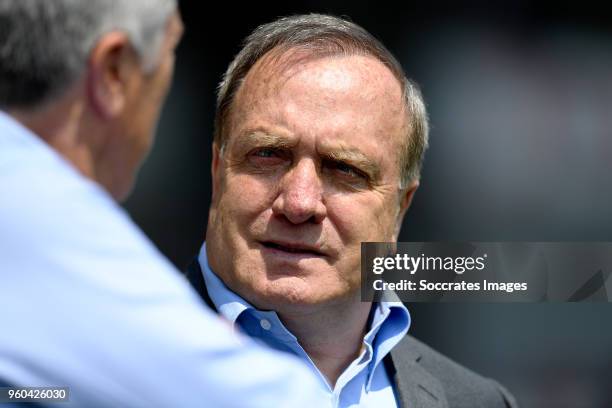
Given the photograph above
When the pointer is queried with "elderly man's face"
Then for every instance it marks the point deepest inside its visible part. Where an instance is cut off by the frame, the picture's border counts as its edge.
(309, 171)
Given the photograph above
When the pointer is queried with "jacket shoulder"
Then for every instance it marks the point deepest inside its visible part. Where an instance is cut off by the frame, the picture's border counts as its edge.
(461, 386)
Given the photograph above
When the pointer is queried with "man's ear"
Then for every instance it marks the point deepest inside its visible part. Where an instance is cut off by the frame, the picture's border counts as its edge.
(113, 68)
(405, 199)
(215, 169)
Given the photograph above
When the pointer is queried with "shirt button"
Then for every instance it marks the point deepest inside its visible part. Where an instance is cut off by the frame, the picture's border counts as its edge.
(265, 324)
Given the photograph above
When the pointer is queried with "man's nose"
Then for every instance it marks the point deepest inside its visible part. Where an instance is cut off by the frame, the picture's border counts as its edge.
(300, 197)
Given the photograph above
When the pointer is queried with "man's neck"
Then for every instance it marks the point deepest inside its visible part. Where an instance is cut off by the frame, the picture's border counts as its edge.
(58, 124)
(332, 337)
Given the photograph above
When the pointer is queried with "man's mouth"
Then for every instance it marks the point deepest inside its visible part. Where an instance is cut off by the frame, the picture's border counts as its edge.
(293, 248)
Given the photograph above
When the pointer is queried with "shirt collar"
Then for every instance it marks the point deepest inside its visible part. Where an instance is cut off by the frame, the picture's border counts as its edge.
(228, 303)
(390, 323)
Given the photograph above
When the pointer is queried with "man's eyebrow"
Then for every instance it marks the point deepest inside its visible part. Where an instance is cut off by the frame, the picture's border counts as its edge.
(264, 138)
(355, 158)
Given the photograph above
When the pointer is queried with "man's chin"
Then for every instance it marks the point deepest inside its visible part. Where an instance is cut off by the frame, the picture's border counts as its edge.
(302, 270)
(289, 292)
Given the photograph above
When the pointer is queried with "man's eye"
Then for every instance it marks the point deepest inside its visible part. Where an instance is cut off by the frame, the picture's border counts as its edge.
(348, 170)
(266, 156)
(264, 153)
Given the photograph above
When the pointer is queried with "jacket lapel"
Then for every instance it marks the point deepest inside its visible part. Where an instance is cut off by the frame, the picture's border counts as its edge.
(416, 388)
(195, 276)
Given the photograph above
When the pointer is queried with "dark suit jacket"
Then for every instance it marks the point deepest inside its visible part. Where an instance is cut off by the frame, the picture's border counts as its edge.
(423, 377)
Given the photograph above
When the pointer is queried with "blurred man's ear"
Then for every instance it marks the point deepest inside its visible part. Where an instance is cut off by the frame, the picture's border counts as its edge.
(113, 71)
(405, 199)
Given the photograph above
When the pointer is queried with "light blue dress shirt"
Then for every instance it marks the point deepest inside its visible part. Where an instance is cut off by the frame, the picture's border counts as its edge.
(86, 301)
(364, 383)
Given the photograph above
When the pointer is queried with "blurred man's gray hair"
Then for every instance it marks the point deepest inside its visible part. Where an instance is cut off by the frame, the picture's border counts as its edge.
(324, 35)
(44, 44)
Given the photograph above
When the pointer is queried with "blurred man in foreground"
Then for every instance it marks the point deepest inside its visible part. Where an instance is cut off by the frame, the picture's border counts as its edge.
(87, 301)
(318, 147)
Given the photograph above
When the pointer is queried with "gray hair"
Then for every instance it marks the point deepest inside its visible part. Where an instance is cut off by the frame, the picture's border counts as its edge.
(325, 35)
(44, 44)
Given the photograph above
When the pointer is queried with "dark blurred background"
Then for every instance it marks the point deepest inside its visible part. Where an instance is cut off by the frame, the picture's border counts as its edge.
(520, 99)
